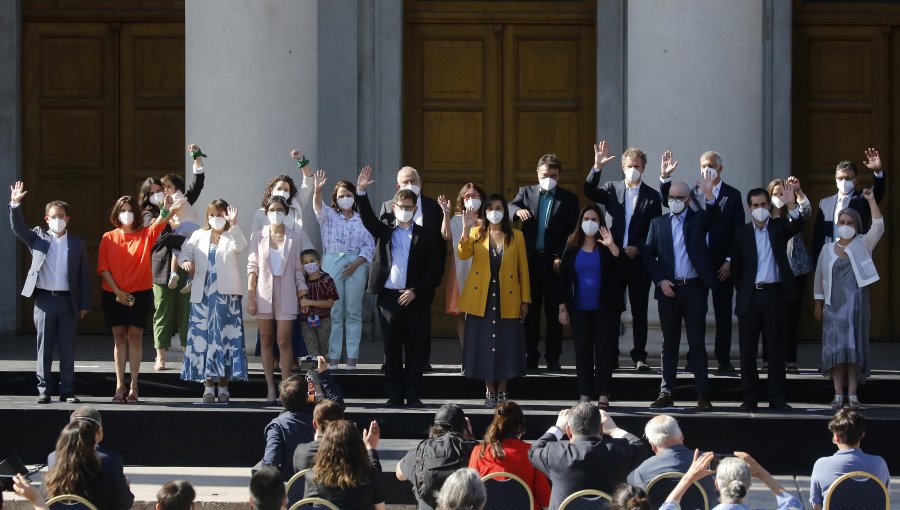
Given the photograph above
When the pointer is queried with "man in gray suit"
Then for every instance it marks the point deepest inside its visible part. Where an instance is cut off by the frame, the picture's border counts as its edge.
(59, 281)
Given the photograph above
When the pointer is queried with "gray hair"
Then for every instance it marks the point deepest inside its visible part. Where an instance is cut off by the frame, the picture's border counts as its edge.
(463, 490)
(733, 479)
(857, 219)
(662, 430)
(409, 169)
(713, 155)
(584, 420)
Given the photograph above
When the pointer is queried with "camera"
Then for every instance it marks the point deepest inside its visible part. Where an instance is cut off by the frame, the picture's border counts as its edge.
(308, 363)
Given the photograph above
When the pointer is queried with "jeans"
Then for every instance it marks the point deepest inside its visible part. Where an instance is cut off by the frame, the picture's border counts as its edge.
(346, 314)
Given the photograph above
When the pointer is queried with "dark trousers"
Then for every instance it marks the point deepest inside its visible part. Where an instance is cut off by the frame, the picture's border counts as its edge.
(688, 306)
(403, 335)
(56, 324)
(793, 325)
(543, 290)
(596, 332)
(426, 348)
(766, 314)
(635, 278)
(723, 308)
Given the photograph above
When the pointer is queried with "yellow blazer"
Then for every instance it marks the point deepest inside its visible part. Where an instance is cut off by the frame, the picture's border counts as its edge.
(515, 287)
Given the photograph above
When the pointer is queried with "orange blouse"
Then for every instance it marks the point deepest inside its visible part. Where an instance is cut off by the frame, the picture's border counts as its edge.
(127, 257)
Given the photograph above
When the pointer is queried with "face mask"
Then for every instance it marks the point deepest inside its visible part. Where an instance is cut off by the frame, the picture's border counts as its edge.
(403, 216)
(311, 268)
(57, 225)
(632, 174)
(547, 183)
(777, 202)
(590, 227)
(412, 187)
(494, 216)
(845, 186)
(345, 202)
(846, 232)
(157, 198)
(676, 206)
(759, 214)
(216, 222)
(275, 218)
(472, 204)
(126, 218)
(281, 193)
(709, 171)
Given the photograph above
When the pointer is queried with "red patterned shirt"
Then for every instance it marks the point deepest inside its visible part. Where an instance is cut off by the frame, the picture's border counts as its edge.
(322, 289)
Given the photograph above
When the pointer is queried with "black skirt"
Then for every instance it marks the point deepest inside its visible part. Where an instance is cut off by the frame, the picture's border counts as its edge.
(117, 314)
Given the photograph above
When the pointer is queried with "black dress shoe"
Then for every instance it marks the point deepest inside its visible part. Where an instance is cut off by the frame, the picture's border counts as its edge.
(43, 398)
(428, 368)
(69, 398)
(726, 368)
(748, 405)
(664, 400)
(531, 365)
(779, 405)
(554, 367)
(393, 403)
(415, 403)
(703, 403)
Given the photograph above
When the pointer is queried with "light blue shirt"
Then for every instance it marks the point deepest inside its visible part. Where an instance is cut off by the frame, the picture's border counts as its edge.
(766, 268)
(544, 206)
(828, 469)
(683, 267)
(401, 239)
(785, 502)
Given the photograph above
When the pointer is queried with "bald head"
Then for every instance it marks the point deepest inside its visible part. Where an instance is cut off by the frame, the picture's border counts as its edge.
(408, 176)
(680, 189)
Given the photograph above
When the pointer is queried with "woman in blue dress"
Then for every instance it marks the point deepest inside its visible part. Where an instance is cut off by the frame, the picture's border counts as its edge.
(215, 353)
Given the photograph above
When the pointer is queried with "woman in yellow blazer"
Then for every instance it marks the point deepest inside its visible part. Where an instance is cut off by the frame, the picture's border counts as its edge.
(495, 299)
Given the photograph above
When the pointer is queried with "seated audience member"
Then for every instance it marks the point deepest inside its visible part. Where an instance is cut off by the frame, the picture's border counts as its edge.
(504, 450)
(599, 455)
(22, 486)
(325, 412)
(847, 427)
(667, 442)
(176, 495)
(463, 490)
(76, 469)
(294, 425)
(629, 497)
(446, 450)
(267, 490)
(346, 469)
(732, 481)
(110, 462)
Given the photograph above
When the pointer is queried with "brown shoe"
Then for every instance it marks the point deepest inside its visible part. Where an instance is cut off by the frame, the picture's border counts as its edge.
(703, 403)
(664, 400)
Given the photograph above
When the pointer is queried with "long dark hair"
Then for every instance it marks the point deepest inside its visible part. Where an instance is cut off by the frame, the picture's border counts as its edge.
(342, 460)
(508, 421)
(77, 463)
(268, 193)
(144, 196)
(117, 208)
(505, 224)
(576, 238)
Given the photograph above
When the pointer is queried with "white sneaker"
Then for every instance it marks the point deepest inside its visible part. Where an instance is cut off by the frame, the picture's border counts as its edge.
(173, 280)
(209, 396)
(332, 367)
(187, 287)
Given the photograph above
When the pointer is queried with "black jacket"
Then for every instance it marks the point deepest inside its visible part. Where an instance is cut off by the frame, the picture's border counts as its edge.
(109, 490)
(824, 227)
(563, 217)
(612, 296)
(432, 219)
(659, 252)
(161, 256)
(731, 217)
(611, 195)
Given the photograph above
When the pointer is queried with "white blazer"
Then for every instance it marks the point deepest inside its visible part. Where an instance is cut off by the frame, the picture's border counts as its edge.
(228, 267)
(859, 251)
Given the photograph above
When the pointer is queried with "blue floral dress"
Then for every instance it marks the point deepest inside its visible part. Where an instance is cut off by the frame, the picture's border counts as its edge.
(215, 343)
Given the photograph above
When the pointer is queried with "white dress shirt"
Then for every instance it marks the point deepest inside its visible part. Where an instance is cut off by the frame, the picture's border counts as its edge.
(683, 267)
(417, 217)
(401, 241)
(631, 196)
(54, 274)
(766, 269)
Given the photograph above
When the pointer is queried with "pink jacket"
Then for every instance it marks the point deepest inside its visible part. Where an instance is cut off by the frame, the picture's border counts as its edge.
(292, 279)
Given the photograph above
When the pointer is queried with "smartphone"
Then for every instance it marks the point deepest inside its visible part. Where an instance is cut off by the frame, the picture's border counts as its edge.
(308, 363)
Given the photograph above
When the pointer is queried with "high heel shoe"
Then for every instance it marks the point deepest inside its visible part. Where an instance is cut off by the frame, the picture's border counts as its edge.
(854, 402)
(119, 397)
(132, 397)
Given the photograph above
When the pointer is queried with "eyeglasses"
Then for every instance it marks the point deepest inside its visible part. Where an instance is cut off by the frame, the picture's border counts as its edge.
(680, 200)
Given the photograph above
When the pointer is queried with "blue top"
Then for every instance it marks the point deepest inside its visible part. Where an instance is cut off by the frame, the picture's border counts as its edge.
(828, 469)
(544, 203)
(587, 280)
(784, 500)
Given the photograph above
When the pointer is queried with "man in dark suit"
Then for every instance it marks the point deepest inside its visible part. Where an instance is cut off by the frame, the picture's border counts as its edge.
(847, 197)
(403, 270)
(632, 205)
(765, 285)
(548, 214)
(599, 455)
(429, 216)
(59, 280)
(679, 262)
(111, 465)
(731, 217)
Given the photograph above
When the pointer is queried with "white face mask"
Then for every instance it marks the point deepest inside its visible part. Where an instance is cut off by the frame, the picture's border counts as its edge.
(126, 218)
(760, 214)
(281, 193)
(403, 216)
(311, 268)
(676, 206)
(275, 217)
(216, 222)
(846, 232)
(845, 186)
(345, 202)
(777, 202)
(472, 204)
(157, 198)
(590, 227)
(710, 171)
(413, 187)
(57, 225)
(632, 174)
(494, 216)
(547, 183)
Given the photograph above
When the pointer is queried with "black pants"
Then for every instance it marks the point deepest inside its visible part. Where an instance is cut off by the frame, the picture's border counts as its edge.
(543, 290)
(793, 325)
(426, 349)
(596, 332)
(689, 306)
(766, 314)
(635, 278)
(403, 335)
(723, 309)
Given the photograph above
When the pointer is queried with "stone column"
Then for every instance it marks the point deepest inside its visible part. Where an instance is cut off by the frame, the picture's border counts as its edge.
(10, 154)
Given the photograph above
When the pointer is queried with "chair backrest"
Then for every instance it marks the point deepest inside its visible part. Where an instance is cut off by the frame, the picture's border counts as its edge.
(858, 490)
(295, 487)
(661, 486)
(587, 499)
(314, 504)
(506, 491)
(69, 502)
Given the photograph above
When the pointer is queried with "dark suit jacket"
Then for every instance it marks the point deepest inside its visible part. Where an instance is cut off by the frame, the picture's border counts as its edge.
(744, 260)
(586, 463)
(422, 274)
(563, 217)
(432, 219)
(659, 252)
(731, 217)
(824, 227)
(38, 242)
(675, 458)
(611, 195)
(612, 296)
(109, 491)
(161, 256)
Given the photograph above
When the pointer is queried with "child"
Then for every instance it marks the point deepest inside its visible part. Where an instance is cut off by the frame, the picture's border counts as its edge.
(186, 220)
(315, 307)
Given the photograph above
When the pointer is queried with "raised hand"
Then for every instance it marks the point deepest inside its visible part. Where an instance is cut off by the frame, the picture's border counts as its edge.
(667, 165)
(444, 203)
(364, 179)
(788, 196)
(706, 184)
(319, 180)
(601, 154)
(296, 154)
(869, 195)
(606, 238)
(372, 435)
(873, 160)
(469, 218)
(231, 215)
(793, 182)
(196, 153)
(17, 192)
